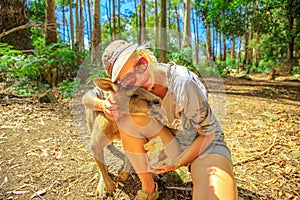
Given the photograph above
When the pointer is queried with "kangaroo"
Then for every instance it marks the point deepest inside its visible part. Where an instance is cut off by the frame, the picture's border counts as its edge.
(133, 100)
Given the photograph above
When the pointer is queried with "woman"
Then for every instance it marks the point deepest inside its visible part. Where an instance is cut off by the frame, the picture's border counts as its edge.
(193, 135)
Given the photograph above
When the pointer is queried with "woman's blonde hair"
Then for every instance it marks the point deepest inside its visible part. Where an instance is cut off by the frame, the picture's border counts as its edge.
(144, 50)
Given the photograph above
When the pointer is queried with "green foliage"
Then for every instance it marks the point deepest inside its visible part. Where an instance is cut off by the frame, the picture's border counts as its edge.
(97, 72)
(182, 57)
(296, 69)
(209, 70)
(67, 87)
(30, 73)
(35, 10)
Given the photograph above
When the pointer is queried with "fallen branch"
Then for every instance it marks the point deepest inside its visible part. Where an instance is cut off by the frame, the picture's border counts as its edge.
(256, 157)
(180, 188)
(25, 26)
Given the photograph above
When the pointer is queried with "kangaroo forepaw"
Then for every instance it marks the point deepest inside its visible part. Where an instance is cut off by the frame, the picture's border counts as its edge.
(123, 176)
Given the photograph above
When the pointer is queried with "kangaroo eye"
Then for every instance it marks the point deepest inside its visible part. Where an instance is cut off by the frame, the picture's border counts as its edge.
(134, 96)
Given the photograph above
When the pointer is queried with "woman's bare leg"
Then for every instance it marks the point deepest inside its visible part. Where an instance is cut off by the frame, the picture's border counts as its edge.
(135, 131)
(213, 178)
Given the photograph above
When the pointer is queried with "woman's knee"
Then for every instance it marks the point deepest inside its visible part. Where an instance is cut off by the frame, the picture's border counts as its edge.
(213, 178)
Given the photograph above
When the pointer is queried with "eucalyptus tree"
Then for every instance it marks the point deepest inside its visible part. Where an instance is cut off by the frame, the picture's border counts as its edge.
(187, 24)
(142, 21)
(163, 32)
(50, 28)
(71, 23)
(96, 36)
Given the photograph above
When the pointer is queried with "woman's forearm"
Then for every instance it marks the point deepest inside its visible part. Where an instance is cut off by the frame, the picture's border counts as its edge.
(195, 149)
(93, 102)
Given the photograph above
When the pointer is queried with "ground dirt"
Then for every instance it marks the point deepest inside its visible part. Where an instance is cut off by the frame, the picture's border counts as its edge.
(42, 156)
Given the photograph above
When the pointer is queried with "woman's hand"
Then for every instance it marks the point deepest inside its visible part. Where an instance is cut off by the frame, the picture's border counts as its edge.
(111, 109)
(166, 168)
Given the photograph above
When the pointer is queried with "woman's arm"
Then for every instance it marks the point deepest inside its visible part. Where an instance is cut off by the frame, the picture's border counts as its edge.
(190, 153)
(92, 101)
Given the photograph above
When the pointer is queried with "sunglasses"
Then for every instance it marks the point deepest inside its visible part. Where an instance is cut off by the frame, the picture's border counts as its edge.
(140, 67)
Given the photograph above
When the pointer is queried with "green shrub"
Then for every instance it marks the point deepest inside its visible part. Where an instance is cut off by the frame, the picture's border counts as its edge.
(66, 88)
(296, 69)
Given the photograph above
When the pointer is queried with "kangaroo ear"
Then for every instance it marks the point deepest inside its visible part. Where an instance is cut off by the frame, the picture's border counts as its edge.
(106, 84)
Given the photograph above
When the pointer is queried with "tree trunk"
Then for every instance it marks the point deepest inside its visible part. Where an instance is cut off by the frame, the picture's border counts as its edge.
(220, 47)
(163, 30)
(187, 24)
(178, 27)
(256, 50)
(224, 47)
(240, 64)
(246, 46)
(119, 19)
(77, 25)
(232, 55)
(81, 25)
(51, 34)
(90, 19)
(72, 24)
(195, 19)
(291, 43)
(64, 20)
(96, 36)
(113, 20)
(12, 15)
(250, 54)
(143, 22)
(212, 56)
(156, 24)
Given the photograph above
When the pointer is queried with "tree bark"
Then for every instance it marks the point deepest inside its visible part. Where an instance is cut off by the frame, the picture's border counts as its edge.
(90, 19)
(232, 55)
(12, 15)
(163, 31)
(119, 18)
(51, 34)
(224, 47)
(143, 22)
(196, 38)
(114, 20)
(81, 25)
(72, 24)
(187, 24)
(96, 36)
(178, 27)
(156, 24)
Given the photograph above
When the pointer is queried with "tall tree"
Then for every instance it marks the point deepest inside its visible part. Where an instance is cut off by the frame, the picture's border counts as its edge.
(114, 34)
(77, 19)
(81, 25)
(90, 18)
(187, 24)
(12, 15)
(72, 24)
(51, 32)
(196, 40)
(119, 17)
(143, 22)
(96, 36)
(156, 24)
(163, 32)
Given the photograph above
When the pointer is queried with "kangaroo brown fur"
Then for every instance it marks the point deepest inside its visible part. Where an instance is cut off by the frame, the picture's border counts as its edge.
(133, 100)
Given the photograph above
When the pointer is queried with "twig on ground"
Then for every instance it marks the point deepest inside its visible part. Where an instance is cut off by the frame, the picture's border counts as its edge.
(256, 157)
(180, 188)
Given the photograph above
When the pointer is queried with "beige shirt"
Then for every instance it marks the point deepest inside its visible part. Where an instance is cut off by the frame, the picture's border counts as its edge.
(185, 109)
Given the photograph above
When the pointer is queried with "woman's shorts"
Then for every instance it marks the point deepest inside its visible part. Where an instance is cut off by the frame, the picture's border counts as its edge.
(217, 147)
